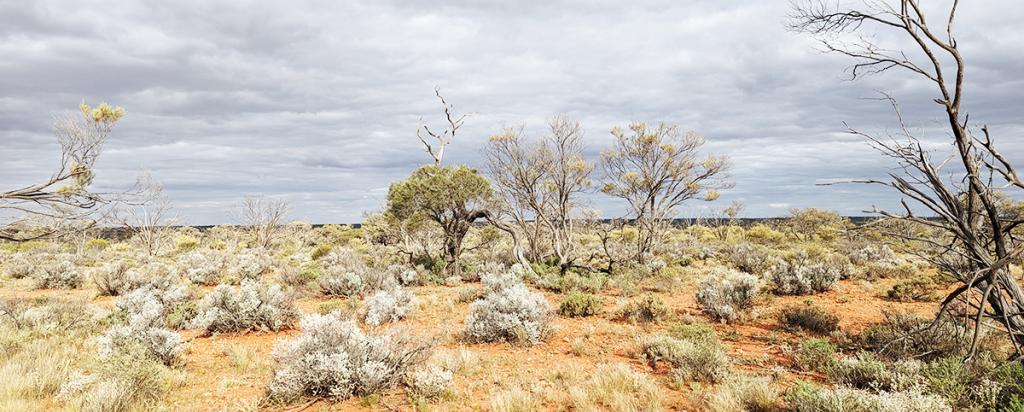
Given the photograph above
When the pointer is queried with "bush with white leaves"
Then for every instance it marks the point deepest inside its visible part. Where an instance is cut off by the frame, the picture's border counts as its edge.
(335, 283)
(20, 266)
(804, 276)
(508, 312)
(385, 306)
(725, 293)
(252, 263)
(429, 382)
(61, 275)
(116, 278)
(203, 267)
(146, 309)
(334, 359)
(250, 306)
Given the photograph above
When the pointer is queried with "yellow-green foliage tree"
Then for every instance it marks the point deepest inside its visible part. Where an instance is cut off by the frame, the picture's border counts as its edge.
(657, 169)
(811, 224)
(63, 201)
(451, 197)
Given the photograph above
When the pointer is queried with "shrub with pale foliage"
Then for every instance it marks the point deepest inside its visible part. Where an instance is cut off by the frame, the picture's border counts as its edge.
(250, 306)
(508, 312)
(334, 359)
(724, 294)
(809, 398)
(61, 275)
(202, 266)
(385, 306)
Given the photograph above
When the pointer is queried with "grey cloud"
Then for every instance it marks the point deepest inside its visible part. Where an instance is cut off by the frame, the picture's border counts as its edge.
(318, 101)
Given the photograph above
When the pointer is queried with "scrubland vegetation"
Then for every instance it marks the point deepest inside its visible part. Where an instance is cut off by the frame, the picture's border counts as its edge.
(502, 291)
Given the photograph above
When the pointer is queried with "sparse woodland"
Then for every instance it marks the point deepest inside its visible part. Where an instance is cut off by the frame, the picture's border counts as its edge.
(501, 289)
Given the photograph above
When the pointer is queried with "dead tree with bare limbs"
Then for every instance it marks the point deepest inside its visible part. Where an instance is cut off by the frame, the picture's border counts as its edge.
(64, 201)
(962, 194)
(434, 142)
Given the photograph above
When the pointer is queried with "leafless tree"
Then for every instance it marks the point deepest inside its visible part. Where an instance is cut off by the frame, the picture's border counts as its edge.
(541, 184)
(64, 201)
(656, 170)
(960, 191)
(148, 215)
(435, 142)
(262, 218)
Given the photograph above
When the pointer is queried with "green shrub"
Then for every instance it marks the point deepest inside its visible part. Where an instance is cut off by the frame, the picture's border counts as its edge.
(806, 397)
(809, 318)
(691, 360)
(580, 304)
(692, 331)
(320, 251)
(905, 335)
(866, 371)
(815, 355)
(948, 377)
(916, 289)
(649, 308)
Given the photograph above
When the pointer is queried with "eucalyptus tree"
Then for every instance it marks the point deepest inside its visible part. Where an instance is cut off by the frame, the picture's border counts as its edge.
(657, 169)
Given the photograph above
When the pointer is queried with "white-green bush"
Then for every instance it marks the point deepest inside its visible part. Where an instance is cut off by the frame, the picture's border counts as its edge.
(429, 382)
(804, 276)
(508, 312)
(385, 306)
(696, 359)
(335, 283)
(202, 266)
(250, 306)
(116, 278)
(61, 275)
(20, 265)
(333, 359)
(807, 398)
(252, 263)
(725, 293)
(146, 310)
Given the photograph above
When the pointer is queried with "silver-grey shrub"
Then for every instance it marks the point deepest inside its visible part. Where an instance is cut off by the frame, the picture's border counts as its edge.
(251, 306)
(252, 263)
(429, 382)
(807, 398)
(20, 265)
(334, 283)
(389, 305)
(697, 359)
(203, 266)
(725, 293)
(751, 258)
(334, 359)
(61, 275)
(116, 278)
(508, 312)
(804, 276)
(146, 310)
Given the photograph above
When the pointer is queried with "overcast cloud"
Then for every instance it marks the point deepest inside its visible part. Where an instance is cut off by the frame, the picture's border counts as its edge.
(317, 102)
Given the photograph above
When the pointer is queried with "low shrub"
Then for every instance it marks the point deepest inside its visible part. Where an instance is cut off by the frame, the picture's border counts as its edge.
(751, 258)
(580, 304)
(646, 309)
(202, 267)
(692, 331)
(61, 275)
(252, 263)
(806, 397)
(616, 387)
(386, 306)
(815, 355)
(333, 359)
(508, 312)
(725, 294)
(742, 393)
(905, 335)
(915, 289)
(691, 359)
(251, 306)
(117, 278)
(803, 276)
(20, 266)
(866, 371)
(887, 270)
(429, 382)
(809, 318)
(341, 284)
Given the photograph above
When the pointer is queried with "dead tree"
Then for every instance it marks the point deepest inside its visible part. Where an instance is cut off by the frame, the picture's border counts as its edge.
(262, 219)
(148, 215)
(64, 201)
(435, 142)
(962, 192)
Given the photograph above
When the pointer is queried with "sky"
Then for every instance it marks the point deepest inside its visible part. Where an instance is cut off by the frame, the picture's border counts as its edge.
(317, 102)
